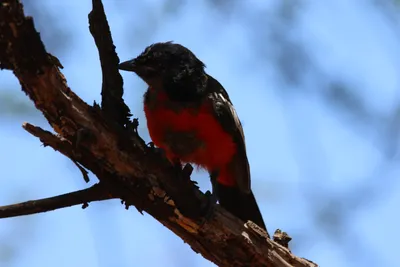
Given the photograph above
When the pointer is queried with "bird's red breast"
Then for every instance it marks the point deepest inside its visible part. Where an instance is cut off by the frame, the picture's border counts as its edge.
(217, 147)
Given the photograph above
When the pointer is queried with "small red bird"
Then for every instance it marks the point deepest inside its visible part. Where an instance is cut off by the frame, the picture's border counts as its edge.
(190, 116)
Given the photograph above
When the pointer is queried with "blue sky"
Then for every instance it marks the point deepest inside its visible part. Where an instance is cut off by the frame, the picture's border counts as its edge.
(306, 157)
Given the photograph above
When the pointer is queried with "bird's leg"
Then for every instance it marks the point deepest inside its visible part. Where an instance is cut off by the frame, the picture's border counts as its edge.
(214, 188)
(177, 169)
(176, 163)
(212, 196)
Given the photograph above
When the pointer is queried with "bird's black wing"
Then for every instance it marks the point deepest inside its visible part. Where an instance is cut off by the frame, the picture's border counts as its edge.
(226, 115)
(238, 200)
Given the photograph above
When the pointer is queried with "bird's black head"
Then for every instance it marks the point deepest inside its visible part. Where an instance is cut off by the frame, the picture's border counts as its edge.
(170, 67)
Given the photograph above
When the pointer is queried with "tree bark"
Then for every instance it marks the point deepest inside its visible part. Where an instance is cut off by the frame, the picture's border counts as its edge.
(105, 141)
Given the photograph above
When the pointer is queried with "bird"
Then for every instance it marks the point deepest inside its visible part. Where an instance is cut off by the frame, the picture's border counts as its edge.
(192, 119)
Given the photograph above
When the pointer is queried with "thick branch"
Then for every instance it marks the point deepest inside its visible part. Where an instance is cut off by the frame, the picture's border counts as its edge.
(112, 102)
(94, 193)
(139, 175)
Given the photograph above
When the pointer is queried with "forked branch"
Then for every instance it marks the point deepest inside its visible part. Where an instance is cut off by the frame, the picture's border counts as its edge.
(128, 169)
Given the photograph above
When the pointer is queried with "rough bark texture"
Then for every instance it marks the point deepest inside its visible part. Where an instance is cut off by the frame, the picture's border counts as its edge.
(105, 142)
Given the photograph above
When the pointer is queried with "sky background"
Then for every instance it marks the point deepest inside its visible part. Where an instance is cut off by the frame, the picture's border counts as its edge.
(316, 85)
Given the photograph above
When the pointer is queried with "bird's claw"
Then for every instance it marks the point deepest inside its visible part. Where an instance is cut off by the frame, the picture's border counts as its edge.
(209, 205)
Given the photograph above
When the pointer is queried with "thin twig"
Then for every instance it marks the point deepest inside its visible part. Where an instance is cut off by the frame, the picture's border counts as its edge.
(58, 143)
(94, 193)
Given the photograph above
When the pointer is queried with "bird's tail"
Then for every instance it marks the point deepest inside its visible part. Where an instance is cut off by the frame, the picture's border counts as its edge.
(242, 205)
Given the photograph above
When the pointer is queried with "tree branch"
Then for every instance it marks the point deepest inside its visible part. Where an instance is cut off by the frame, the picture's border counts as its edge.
(58, 143)
(94, 193)
(112, 102)
(139, 175)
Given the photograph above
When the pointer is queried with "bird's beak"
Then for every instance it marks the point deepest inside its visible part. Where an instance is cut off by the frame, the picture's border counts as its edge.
(128, 65)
